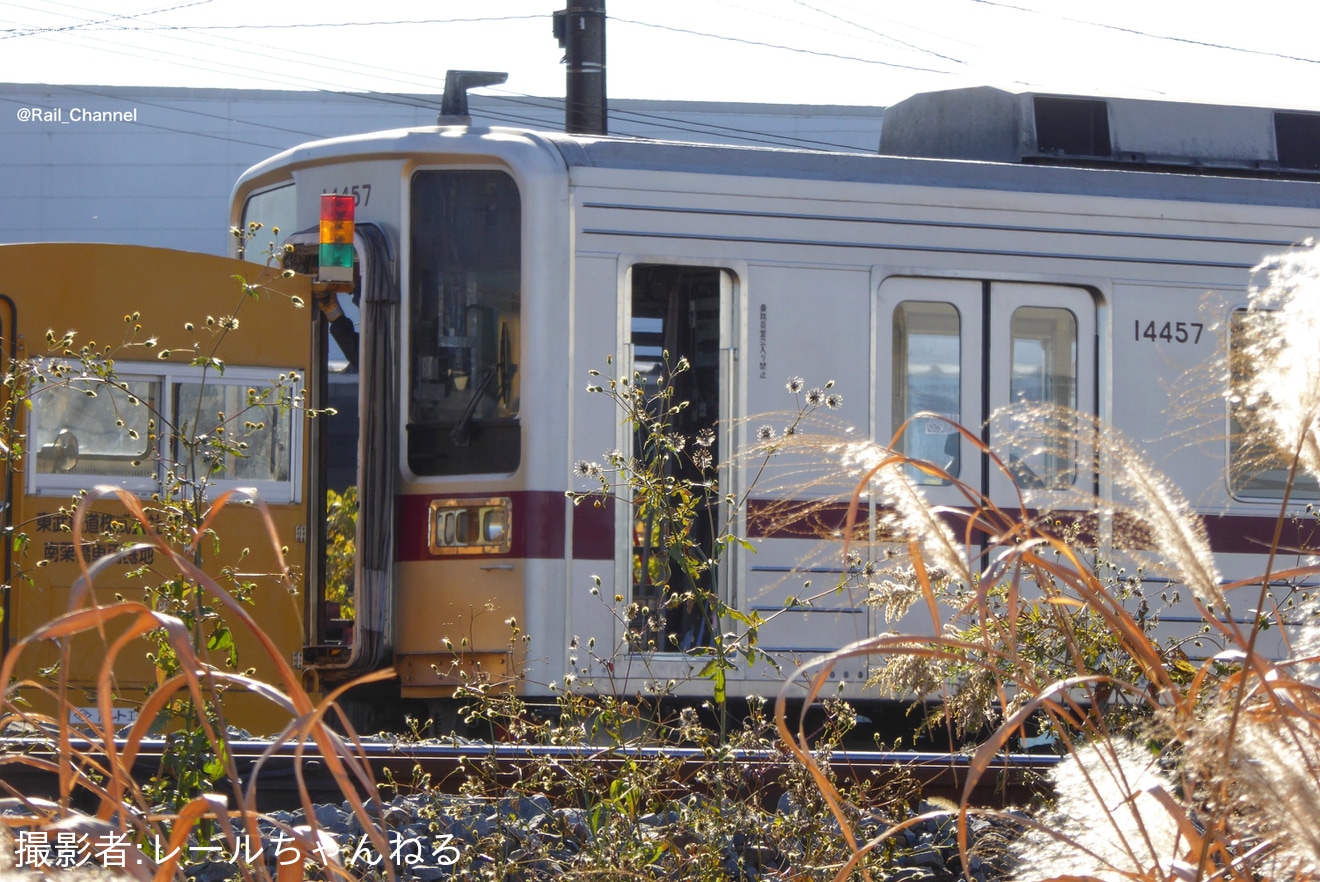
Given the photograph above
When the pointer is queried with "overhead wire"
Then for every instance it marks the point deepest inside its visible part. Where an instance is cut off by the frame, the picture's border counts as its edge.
(410, 99)
(242, 47)
(764, 44)
(284, 80)
(887, 37)
(15, 33)
(1165, 37)
(690, 127)
(271, 26)
(414, 22)
(641, 117)
(108, 22)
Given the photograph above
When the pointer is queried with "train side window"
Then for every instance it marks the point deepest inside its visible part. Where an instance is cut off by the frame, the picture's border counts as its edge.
(82, 429)
(262, 431)
(1256, 469)
(1044, 372)
(927, 378)
(84, 439)
(465, 323)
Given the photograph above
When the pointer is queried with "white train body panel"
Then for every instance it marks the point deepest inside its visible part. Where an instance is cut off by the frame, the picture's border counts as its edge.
(794, 264)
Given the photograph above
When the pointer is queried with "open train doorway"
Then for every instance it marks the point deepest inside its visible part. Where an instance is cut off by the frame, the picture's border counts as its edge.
(351, 563)
(678, 333)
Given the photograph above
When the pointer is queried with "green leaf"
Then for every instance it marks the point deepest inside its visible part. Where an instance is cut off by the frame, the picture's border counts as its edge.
(739, 616)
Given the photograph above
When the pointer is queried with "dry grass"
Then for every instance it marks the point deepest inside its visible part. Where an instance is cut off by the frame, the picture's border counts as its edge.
(1211, 769)
(90, 761)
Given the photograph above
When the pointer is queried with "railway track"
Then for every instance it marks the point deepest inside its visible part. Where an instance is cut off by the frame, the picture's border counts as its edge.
(1012, 779)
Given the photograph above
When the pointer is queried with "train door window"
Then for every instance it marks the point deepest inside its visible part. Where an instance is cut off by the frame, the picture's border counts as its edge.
(966, 348)
(1041, 364)
(1256, 469)
(934, 330)
(927, 378)
(464, 324)
(1043, 373)
(678, 314)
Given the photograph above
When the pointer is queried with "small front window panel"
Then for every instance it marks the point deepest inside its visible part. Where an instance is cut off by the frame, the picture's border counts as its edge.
(927, 356)
(465, 323)
(275, 208)
(1256, 469)
(1044, 372)
(87, 432)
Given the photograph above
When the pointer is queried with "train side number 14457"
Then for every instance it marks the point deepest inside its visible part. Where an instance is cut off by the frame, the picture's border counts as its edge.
(1172, 332)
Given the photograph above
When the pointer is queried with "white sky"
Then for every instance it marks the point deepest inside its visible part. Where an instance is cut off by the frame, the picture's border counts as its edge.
(867, 52)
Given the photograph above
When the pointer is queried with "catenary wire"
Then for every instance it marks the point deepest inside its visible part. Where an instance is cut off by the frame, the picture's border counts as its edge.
(12, 33)
(1167, 37)
(708, 129)
(871, 30)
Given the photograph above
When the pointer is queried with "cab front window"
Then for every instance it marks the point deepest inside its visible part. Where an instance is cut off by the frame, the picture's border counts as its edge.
(466, 287)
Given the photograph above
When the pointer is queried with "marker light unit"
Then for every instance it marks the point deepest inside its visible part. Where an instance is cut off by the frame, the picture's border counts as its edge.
(336, 258)
(470, 526)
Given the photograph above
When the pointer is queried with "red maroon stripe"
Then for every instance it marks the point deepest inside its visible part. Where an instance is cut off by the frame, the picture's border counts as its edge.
(1228, 534)
(537, 529)
(1247, 534)
(593, 529)
(539, 526)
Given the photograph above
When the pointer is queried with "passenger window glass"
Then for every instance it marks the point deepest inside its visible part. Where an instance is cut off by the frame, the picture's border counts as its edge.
(84, 428)
(1255, 467)
(676, 310)
(1044, 372)
(115, 435)
(262, 432)
(927, 355)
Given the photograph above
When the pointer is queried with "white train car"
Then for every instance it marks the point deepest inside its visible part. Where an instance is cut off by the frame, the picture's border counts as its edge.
(1000, 246)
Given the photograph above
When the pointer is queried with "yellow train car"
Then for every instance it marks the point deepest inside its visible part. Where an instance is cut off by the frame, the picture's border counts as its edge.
(193, 389)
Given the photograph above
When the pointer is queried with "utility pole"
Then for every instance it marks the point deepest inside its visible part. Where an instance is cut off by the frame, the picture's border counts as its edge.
(581, 32)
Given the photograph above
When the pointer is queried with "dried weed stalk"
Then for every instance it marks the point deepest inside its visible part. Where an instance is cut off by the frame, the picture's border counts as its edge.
(1177, 768)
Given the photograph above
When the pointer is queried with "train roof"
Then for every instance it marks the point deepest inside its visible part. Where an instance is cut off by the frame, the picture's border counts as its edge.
(1000, 125)
(983, 138)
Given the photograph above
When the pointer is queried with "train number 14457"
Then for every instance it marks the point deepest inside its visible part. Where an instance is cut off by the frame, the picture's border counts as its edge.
(1173, 332)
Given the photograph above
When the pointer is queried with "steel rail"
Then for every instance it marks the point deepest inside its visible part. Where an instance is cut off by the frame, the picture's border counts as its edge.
(1010, 779)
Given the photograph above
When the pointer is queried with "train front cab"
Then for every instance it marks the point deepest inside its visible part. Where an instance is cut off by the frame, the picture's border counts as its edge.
(461, 469)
